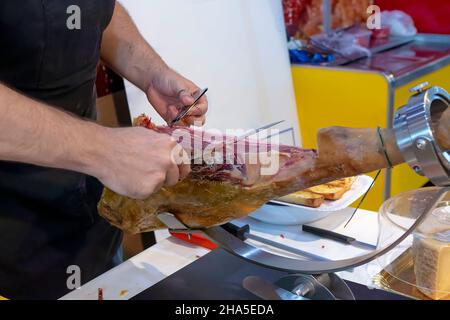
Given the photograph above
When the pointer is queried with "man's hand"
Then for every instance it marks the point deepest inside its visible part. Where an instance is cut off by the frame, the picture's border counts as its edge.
(169, 92)
(138, 162)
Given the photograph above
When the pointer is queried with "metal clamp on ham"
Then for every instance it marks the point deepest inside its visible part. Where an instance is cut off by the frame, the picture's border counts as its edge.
(416, 136)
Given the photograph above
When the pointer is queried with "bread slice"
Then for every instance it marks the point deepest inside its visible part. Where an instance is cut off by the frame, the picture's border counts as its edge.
(304, 198)
(314, 197)
(333, 190)
(345, 183)
(329, 192)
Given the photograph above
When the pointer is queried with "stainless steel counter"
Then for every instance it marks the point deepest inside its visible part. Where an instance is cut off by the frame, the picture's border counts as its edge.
(400, 59)
(425, 54)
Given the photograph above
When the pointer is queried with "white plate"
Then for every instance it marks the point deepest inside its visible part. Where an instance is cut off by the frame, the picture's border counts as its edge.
(288, 214)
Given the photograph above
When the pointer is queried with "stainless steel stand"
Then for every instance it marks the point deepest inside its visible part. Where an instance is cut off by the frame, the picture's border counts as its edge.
(315, 279)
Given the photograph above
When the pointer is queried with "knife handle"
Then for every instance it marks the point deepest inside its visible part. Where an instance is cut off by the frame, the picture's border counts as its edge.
(196, 239)
(238, 232)
(328, 234)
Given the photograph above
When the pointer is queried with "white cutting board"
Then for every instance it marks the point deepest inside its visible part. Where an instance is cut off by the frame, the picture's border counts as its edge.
(235, 48)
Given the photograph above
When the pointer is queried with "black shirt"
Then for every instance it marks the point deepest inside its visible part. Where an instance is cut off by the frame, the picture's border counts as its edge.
(48, 217)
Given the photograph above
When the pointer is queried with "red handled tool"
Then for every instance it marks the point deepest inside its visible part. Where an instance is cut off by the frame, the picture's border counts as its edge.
(195, 238)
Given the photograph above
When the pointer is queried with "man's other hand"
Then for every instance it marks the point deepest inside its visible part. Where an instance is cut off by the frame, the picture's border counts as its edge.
(169, 92)
(138, 162)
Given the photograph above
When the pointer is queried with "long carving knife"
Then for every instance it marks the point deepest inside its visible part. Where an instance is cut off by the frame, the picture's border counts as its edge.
(328, 234)
(247, 134)
(243, 233)
(258, 130)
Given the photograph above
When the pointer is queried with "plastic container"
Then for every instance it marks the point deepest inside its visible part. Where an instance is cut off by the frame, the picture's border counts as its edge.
(420, 265)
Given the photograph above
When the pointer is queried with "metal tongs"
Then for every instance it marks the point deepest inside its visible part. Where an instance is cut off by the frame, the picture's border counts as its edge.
(183, 113)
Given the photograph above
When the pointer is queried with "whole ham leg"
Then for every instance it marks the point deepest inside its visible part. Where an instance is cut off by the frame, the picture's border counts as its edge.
(214, 194)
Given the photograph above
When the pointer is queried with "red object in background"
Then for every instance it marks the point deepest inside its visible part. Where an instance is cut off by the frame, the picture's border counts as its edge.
(430, 16)
(293, 10)
(382, 33)
(107, 81)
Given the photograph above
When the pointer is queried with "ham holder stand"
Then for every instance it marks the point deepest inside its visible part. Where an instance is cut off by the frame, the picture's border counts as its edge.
(312, 278)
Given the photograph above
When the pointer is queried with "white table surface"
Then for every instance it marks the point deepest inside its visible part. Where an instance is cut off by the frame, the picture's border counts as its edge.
(170, 255)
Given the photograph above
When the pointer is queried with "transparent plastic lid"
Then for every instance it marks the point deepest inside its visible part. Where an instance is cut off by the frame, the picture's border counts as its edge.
(420, 265)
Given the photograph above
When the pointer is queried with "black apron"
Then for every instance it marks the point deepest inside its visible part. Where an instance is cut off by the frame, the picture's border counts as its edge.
(48, 217)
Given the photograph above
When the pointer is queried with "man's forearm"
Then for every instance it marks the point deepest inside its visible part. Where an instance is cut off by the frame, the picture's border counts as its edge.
(31, 132)
(126, 51)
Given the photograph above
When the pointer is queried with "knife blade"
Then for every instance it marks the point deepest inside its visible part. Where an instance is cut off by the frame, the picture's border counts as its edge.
(258, 130)
(247, 134)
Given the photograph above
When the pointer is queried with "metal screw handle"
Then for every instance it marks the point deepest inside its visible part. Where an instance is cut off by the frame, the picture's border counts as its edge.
(420, 87)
